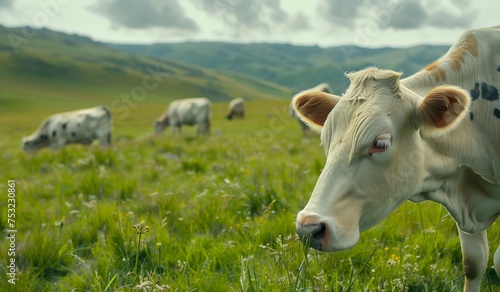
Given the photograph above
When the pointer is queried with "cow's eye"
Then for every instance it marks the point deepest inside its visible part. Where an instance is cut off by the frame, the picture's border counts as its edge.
(381, 144)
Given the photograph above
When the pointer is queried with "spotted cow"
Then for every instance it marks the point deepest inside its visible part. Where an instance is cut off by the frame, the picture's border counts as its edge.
(188, 111)
(434, 136)
(75, 127)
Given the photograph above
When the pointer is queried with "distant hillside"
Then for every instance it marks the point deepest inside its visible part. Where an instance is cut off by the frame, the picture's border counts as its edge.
(45, 68)
(297, 67)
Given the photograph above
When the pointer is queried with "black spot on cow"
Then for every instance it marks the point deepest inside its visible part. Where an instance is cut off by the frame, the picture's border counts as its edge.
(73, 134)
(498, 68)
(489, 92)
(471, 116)
(54, 133)
(474, 92)
(496, 113)
(64, 124)
(485, 91)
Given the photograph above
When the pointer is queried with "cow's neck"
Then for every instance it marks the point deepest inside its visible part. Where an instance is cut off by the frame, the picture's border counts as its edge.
(424, 81)
(421, 82)
(462, 175)
(462, 169)
(473, 203)
(474, 142)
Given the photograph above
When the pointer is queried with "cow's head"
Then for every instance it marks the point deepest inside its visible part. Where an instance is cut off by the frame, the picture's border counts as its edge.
(161, 124)
(39, 139)
(374, 151)
(35, 142)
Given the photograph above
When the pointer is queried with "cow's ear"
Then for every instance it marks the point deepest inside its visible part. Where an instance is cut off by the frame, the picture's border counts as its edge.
(443, 108)
(313, 106)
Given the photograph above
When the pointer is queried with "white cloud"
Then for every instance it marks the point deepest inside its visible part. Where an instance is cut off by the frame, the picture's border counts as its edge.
(322, 22)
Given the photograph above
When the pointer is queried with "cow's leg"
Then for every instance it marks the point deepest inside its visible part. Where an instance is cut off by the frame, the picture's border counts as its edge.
(58, 143)
(105, 140)
(474, 258)
(496, 260)
(201, 129)
(207, 126)
(103, 133)
(176, 128)
(108, 138)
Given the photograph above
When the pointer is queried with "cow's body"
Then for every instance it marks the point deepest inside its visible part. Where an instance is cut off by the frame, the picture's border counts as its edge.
(413, 139)
(324, 87)
(236, 108)
(75, 127)
(189, 111)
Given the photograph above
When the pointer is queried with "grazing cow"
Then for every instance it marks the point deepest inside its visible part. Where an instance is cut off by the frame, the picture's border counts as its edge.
(432, 136)
(236, 108)
(79, 127)
(324, 87)
(189, 111)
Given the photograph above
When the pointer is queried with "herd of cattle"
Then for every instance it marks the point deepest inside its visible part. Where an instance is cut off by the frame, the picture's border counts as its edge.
(430, 136)
(86, 125)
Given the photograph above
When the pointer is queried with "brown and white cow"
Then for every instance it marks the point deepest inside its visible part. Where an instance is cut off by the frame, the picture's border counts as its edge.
(236, 108)
(324, 87)
(75, 127)
(188, 111)
(432, 136)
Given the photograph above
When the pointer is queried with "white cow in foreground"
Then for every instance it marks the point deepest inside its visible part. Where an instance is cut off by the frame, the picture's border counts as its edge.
(432, 136)
(236, 108)
(189, 111)
(76, 127)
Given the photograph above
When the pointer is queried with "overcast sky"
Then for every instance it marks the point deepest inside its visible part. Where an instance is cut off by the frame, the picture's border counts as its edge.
(367, 23)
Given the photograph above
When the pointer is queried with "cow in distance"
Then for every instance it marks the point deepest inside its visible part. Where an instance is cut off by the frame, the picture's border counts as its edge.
(81, 126)
(236, 108)
(188, 111)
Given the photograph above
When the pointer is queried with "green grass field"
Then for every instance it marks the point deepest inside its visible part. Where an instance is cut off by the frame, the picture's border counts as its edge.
(219, 213)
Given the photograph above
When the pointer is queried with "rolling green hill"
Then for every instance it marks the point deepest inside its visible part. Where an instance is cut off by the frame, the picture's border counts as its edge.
(41, 68)
(297, 67)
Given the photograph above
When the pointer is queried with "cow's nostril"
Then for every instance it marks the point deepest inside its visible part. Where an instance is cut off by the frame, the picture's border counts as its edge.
(318, 235)
(312, 235)
(315, 231)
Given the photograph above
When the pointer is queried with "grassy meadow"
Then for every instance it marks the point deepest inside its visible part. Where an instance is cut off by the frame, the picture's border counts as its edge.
(162, 213)
(185, 213)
